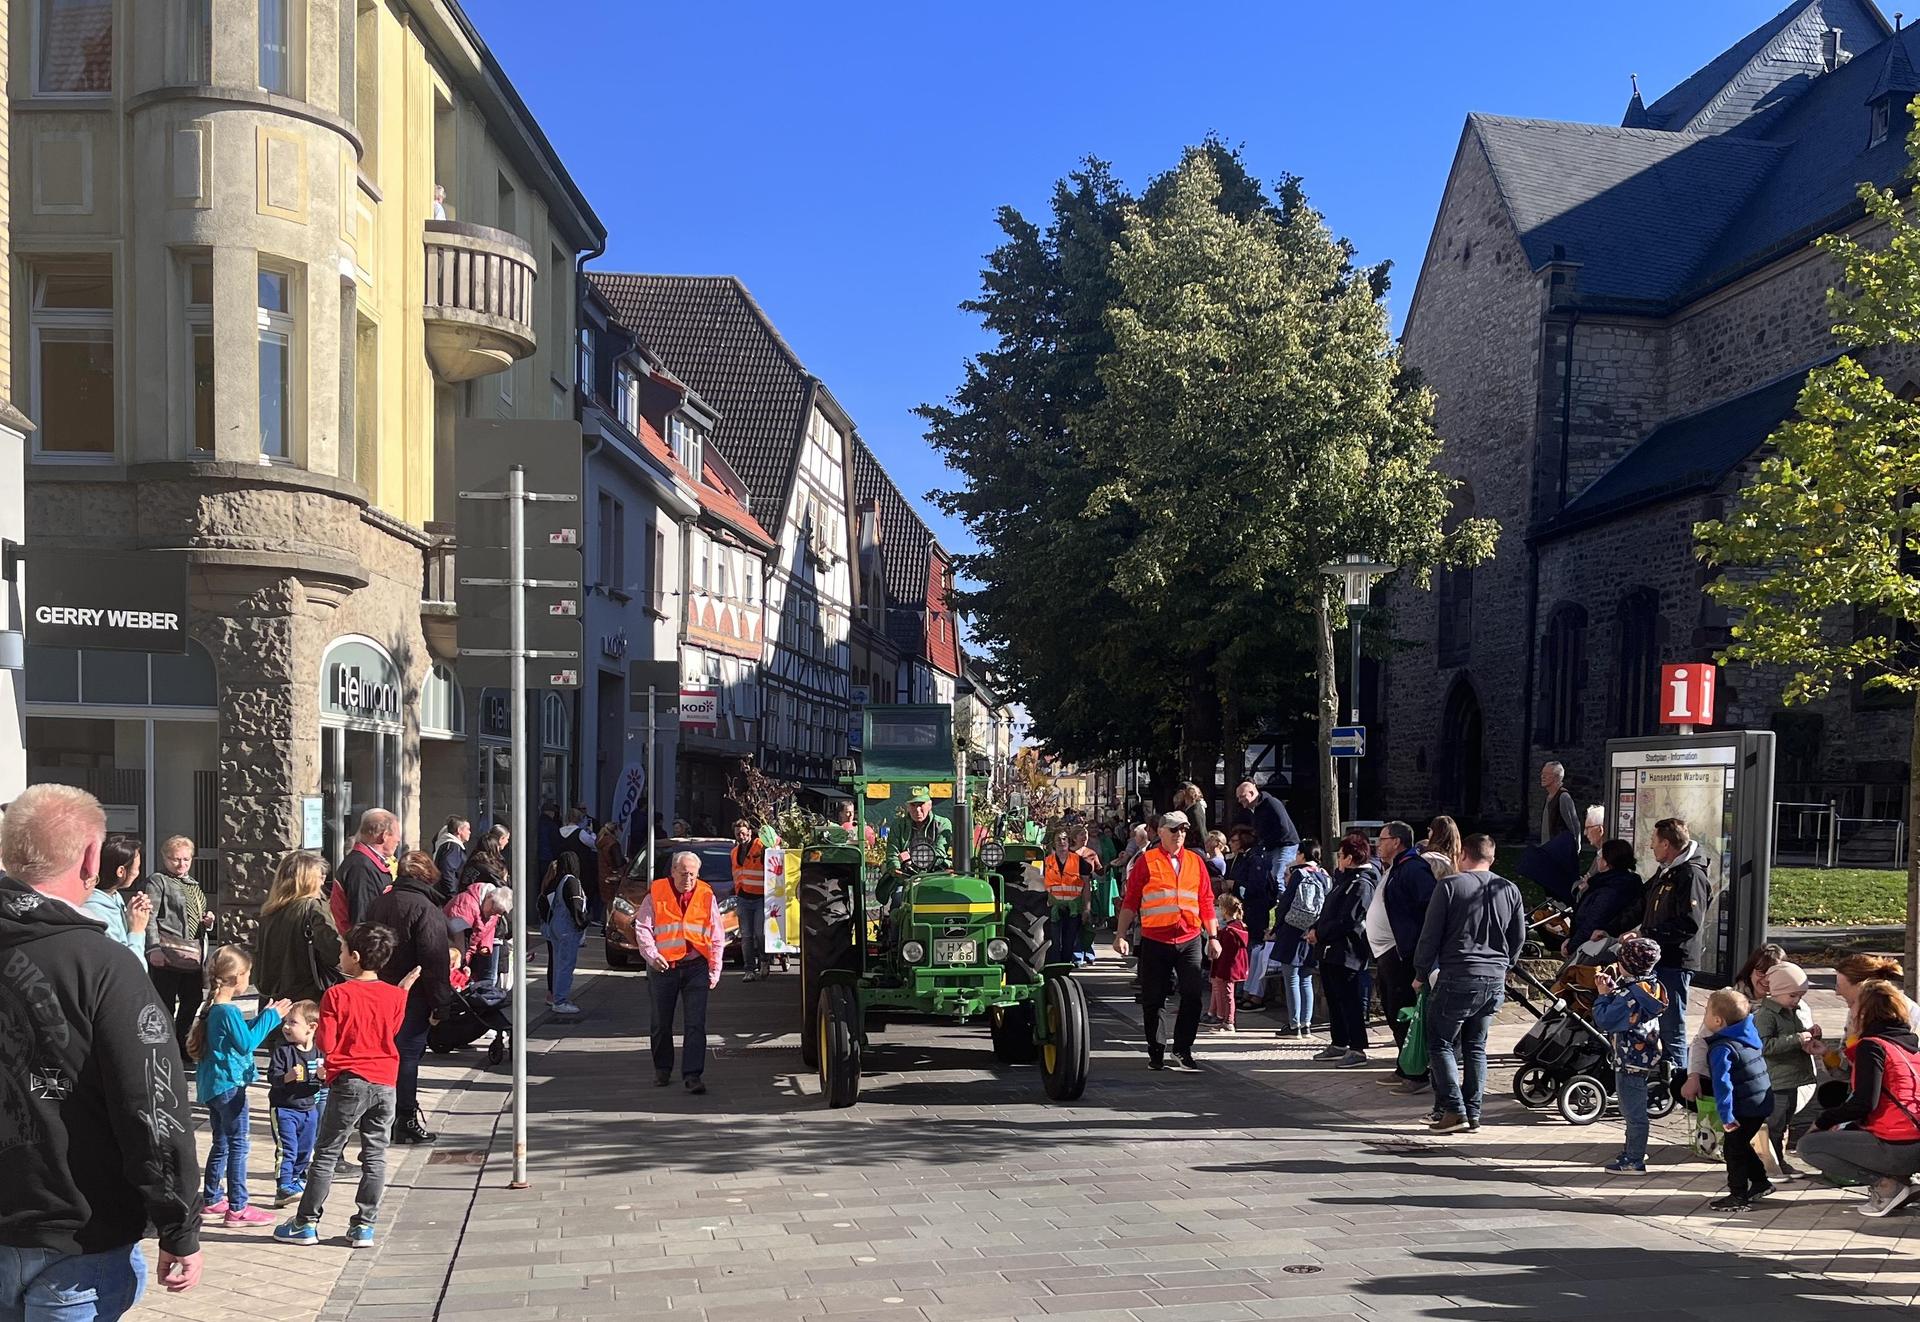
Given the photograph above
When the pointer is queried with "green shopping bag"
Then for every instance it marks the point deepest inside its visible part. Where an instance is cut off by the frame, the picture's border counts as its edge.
(1413, 1053)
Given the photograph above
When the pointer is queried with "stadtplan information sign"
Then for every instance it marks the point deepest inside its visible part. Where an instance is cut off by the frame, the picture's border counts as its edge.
(699, 709)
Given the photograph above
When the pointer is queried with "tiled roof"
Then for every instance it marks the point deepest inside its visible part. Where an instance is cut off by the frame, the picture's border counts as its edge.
(715, 499)
(720, 342)
(1637, 208)
(1689, 454)
(906, 542)
(1753, 155)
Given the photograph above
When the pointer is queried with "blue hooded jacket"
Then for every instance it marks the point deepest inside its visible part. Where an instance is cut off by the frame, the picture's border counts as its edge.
(1742, 1088)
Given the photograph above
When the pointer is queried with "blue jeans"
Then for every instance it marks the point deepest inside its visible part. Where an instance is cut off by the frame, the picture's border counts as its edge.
(563, 946)
(1630, 1087)
(1298, 983)
(751, 910)
(688, 980)
(39, 1285)
(1459, 1010)
(1064, 932)
(227, 1147)
(294, 1131)
(411, 1043)
(1673, 1020)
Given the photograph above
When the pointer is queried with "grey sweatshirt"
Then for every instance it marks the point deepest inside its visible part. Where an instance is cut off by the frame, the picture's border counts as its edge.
(1475, 926)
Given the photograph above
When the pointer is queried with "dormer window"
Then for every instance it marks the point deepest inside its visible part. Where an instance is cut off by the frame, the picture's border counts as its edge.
(626, 398)
(686, 441)
(1882, 113)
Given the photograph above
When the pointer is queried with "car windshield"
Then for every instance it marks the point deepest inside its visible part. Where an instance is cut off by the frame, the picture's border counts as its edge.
(716, 861)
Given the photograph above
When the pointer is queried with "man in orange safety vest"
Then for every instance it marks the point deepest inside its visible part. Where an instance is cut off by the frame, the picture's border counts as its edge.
(679, 932)
(1171, 891)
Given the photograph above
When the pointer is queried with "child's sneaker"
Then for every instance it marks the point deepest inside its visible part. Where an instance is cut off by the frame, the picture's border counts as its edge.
(1226, 1027)
(213, 1211)
(297, 1231)
(359, 1236)
(288, 1196)
(248, 1216)
(1625, 1166)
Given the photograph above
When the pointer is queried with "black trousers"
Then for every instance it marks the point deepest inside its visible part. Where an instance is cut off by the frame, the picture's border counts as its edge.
(1396, 994)
(1347, 991)
(180, 993)
(1744, 1171)
(1162, 966)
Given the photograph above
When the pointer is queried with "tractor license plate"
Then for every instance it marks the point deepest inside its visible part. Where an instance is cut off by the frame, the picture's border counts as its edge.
(955, 952)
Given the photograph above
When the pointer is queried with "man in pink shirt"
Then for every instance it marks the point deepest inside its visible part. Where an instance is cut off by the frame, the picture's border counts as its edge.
(681, 937)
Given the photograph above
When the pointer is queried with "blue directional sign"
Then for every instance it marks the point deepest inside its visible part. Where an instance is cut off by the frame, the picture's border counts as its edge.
(1349, 741)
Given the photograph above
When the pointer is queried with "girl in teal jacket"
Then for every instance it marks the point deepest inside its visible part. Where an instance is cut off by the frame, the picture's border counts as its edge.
(222, 1045)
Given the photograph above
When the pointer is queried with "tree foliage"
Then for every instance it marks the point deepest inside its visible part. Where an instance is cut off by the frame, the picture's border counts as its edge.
(1823, 538)
(1192, 402)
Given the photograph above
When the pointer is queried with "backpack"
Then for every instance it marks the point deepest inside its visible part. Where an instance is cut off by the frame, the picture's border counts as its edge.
(1309, 897)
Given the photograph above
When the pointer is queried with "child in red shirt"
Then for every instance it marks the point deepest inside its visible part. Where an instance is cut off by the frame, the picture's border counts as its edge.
(1231, 968)
(359, 1021)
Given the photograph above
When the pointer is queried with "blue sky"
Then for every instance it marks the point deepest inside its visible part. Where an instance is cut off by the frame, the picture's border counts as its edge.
(846, 161)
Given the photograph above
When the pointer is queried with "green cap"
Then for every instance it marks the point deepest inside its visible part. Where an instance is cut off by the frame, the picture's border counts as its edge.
(919, 794)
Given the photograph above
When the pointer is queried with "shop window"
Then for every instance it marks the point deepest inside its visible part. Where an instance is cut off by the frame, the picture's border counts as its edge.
(276, 328)
(75, 50)
(73, 358)
(102, 678)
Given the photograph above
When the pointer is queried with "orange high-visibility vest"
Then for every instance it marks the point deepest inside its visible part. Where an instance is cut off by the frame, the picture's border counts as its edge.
(1063, 882)
(680, 931)
(750, 877)
(1171, 898)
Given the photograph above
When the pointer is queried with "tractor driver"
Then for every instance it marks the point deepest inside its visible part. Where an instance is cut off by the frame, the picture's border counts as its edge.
(916, 824)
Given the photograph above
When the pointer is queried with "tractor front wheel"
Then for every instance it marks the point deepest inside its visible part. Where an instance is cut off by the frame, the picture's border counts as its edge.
(840, 1046)
(1066, 1054)
(1013, 1042)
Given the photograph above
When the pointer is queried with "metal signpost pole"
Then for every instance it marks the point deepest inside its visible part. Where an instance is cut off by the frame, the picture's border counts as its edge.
(1353, 717)
(653, 784)
(522, 907)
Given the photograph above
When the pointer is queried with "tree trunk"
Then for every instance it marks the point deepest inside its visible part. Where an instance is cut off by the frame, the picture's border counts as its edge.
(1200, 732)
(1329, 706)
(1912, 952)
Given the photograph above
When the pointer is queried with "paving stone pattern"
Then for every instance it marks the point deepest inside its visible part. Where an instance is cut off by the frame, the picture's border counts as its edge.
(1265, 1187)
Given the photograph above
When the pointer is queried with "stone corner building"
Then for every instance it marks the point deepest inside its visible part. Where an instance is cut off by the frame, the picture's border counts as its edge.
(1613, 320)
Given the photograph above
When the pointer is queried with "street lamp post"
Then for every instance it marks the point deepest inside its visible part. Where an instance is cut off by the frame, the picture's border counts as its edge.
(1355, 572)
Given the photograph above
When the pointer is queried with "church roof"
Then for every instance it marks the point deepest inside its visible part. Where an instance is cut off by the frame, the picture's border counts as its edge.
(1753, 155)
(1687, 455)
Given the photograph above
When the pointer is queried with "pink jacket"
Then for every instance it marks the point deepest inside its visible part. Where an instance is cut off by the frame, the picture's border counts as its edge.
(465, 908)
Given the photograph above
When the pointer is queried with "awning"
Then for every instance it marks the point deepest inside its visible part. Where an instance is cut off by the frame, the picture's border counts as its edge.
(827, 791)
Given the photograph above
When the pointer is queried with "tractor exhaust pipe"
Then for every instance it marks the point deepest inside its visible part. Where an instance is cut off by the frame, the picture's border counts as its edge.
(962, 832)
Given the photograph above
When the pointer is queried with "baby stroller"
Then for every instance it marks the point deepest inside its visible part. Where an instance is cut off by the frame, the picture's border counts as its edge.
(475, 1010)
(1566, 1062)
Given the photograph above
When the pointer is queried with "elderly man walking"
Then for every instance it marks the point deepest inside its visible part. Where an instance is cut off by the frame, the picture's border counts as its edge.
(96, 1126)
(1171, 891)
(1475, 924)
(681, 937)
(1561, 815)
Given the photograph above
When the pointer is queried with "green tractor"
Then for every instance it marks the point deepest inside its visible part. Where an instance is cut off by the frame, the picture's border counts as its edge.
(931, 932)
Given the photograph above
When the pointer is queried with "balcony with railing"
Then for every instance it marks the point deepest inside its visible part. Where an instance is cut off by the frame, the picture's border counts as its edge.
(479, 299)
(439, 615)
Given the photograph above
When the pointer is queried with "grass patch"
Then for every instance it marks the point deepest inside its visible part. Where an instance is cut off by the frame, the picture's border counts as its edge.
(1837, 897)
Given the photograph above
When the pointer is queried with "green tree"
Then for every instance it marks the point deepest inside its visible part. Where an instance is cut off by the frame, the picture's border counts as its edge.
(1826, 531)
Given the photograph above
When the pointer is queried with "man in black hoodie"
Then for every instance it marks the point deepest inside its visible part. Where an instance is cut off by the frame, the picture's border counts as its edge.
(95, 1125)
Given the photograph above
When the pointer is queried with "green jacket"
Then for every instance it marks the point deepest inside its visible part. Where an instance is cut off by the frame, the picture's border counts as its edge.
(937, 830)
(1779, 1029)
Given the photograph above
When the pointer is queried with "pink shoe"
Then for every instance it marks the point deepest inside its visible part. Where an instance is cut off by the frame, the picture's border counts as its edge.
(214, 1211)
(249, 1216)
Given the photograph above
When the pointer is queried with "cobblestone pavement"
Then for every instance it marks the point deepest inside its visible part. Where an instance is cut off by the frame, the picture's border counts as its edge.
(1264, 1187)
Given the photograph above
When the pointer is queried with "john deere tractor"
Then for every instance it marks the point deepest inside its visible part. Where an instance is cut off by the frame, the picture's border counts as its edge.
(959, 939)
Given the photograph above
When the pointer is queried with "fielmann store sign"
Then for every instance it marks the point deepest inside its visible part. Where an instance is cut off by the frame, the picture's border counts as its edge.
(121, 601)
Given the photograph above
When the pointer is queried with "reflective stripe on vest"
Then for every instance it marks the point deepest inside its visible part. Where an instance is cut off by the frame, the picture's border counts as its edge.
(750, 877)
(1063, 884)
(678, 932)
(1171, 898)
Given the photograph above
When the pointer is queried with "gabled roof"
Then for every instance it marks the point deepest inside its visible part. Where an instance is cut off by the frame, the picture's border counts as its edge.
(723, 345)
(1639, 209)
(906, 542)
(1766, 69)
(1687, 455)
(1897, 77)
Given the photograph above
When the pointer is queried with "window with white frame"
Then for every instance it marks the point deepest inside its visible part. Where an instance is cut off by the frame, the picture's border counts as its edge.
(584, 368)
(686, 441)
(626, 398)
(277, 330)
(199, 369)
(74, 51)
(276, 46)
(73, 359)
(657, 571)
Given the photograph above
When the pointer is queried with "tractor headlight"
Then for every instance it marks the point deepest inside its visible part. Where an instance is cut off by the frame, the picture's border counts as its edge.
(991, 853)
(913, 952)
(922, 856)
(621, 906)
(996, 950)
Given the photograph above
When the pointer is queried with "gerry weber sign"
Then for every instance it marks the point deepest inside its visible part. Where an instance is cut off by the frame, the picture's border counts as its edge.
(122, 601)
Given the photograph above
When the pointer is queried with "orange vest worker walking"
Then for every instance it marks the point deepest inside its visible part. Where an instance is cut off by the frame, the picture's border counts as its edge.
(749, 860)
(1171, 891)
(680, 935)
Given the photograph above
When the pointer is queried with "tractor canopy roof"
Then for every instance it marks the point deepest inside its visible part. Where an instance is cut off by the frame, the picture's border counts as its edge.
(912, 745)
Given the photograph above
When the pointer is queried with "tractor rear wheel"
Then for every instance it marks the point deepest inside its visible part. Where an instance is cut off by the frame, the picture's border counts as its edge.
(826, 942)
(1026, 934)
(839, 1046)
(1013, 1042)
(1065, 1057)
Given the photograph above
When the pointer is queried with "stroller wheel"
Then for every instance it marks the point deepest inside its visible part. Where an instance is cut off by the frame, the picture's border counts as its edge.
(1583, 1100)
(1661, 1101)
(1533, 1087)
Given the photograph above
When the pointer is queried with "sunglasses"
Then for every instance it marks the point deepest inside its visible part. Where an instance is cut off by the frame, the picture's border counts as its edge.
(1173, 828)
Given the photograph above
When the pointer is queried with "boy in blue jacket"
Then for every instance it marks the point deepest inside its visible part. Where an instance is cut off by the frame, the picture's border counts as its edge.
(1742, 1093)
(1628, 1011)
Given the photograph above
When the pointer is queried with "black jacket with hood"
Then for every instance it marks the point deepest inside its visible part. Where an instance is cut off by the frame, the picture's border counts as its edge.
(1676, 912)
(96, 1130)
(421, 939)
